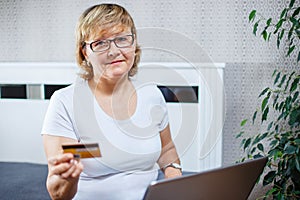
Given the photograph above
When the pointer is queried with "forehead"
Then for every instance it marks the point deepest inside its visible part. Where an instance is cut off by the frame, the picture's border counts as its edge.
(102, 32)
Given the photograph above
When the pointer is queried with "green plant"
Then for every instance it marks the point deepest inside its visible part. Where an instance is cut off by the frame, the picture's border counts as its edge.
(279, 111)
(281, 139)
(286, 28)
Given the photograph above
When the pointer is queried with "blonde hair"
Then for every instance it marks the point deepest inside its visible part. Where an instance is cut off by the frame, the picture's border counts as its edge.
(102, 17)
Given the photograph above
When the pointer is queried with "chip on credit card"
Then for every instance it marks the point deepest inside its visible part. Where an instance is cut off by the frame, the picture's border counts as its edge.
(90, 150)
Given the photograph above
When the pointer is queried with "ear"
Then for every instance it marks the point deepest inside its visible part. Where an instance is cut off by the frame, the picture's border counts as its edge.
(83, 51)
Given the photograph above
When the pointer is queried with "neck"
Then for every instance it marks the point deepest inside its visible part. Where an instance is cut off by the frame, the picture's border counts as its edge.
(107, 86)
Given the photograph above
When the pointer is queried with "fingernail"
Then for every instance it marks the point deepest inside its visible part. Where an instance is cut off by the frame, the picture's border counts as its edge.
(73, 162)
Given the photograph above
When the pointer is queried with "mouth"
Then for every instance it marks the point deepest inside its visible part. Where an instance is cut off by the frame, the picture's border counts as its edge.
(116, 62)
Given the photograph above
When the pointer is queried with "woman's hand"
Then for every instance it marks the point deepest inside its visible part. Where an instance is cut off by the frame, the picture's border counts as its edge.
(63, 176)
(64, 166)
(171, 172)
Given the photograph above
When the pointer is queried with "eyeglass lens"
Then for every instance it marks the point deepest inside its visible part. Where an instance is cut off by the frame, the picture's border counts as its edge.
(120, 42)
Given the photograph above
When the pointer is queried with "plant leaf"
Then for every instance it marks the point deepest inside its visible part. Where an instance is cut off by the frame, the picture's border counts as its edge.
(291, 3)
(271, 191)
(252, 15)
(281, 34)
(295, 96)
(255, 27)
(294, 22)
(294, 119)
(269, 21)
(275, 153)
(278, 41)
(264, 91)
(269, 36)
(282, 80)
(240, 134)
(269, 177)
(294, 84)
(265, 114)
(290, 33)
(260, 147)
(276, 128)
(273, 143)
(275, 104)
(254, 117)
(281, 106)
(296, 12)
(280, 117)
(282, 15)
(288, 105)
(265, 35)
(291, 49)
(297, 141)
(264, 103)
(256, 139)
(289, 149)
(257, 156)
(274, 72)
(253, 150)
(247, 143)
(270, 126)
(277, 77)
(298, 58)
(244, 122)
(264, 135)
(297, 164)
(289, 79)
(278, 25)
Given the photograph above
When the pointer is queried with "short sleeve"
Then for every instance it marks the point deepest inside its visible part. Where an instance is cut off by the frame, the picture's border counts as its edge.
(57, 120)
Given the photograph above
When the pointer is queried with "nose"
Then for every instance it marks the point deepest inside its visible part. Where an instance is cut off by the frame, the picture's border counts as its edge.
(113, 49)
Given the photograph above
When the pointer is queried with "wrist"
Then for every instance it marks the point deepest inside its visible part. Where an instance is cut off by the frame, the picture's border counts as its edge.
(172, 165)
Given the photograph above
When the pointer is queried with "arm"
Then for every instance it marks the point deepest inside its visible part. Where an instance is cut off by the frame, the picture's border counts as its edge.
(168, 154)
(63, 170)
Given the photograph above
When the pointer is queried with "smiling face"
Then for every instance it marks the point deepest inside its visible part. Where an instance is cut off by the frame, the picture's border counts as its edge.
(105, 22)
(115, 62)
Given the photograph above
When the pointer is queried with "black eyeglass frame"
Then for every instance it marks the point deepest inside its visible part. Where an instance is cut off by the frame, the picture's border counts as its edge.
(107, 40)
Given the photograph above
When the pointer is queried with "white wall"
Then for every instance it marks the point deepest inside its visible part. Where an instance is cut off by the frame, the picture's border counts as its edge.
(21, 119)
(20, 125)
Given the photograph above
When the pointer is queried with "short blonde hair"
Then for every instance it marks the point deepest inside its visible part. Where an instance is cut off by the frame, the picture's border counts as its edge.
(102, 17)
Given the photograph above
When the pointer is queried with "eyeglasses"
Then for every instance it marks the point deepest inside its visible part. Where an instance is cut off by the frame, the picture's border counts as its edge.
(103, 45)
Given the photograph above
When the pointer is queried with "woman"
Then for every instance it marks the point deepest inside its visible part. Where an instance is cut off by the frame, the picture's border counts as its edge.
(132, 118)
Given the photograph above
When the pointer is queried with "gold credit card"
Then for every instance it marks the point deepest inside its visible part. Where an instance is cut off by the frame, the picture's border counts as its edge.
(83, 150)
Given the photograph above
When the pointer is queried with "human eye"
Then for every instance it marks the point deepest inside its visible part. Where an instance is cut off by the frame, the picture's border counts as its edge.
(123, 41)
(100, 43)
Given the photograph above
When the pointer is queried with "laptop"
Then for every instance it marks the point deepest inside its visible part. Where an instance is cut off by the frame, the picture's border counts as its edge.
(234, 182)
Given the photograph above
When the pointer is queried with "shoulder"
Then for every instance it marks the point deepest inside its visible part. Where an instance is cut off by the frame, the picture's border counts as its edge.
(67, 93)
(149, 92)
(151, 88)
(63, 94)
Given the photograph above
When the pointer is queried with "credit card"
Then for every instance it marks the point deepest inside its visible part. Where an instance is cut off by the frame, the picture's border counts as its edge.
(83, 150)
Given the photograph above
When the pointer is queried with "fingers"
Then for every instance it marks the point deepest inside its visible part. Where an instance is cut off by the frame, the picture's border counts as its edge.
(70, 170)
(65, 166)
(66, 157)
(78, 170)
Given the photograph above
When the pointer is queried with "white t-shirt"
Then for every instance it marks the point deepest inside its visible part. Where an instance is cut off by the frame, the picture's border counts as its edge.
(129, 148)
